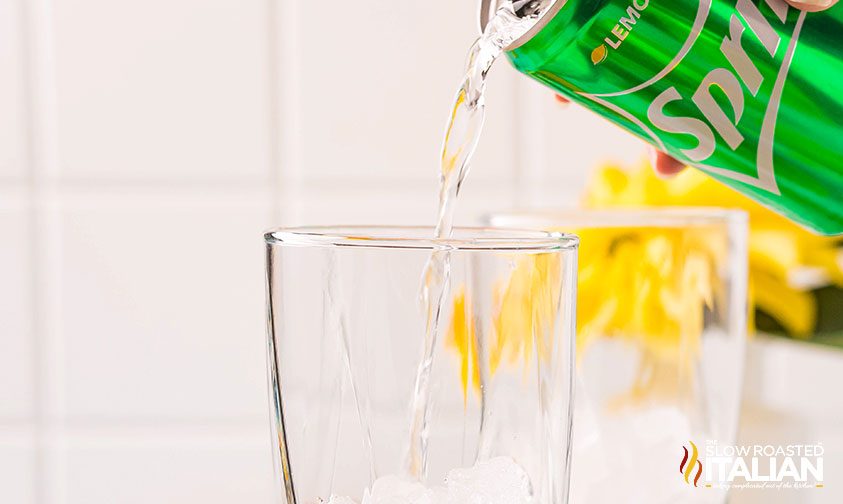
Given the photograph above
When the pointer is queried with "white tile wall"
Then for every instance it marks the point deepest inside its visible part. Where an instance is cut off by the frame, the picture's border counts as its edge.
(395, 204)
(170, 468)
(162, 306)
(131, 278)
(561, 144)
(163, 90)
(375, 81)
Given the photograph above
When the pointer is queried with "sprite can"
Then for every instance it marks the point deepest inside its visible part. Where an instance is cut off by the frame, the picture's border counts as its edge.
(749, 91)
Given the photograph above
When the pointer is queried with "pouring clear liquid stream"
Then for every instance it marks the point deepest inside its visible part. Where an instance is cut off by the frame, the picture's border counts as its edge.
(465, 124)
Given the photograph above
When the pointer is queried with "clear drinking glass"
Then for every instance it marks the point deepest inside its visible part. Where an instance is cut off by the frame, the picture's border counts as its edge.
(368, 406)
(661, 330)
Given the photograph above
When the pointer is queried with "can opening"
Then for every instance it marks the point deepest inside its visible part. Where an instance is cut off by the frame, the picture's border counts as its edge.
(540, 10)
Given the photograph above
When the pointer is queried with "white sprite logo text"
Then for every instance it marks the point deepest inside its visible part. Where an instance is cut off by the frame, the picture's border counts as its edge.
(626, 23)
(621, 30)
(731, 81)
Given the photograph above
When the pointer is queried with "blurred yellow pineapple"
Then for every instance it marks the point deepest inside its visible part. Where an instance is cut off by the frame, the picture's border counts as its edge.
(786, 261)
(653, 286)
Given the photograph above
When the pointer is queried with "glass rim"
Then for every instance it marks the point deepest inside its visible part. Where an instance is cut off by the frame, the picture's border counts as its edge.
(618, 217)
(421, 238)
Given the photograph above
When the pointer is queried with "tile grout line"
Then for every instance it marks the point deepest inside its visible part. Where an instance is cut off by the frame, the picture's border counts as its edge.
(36, 333)
(516, 103)
(159, 184)
(532, 145)
(287, 108)
(42, 157)
(274, 98)
(519, 148)
(35, 422)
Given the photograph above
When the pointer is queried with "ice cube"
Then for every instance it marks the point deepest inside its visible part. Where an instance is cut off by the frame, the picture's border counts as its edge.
(397, 490)
(336, 499)
(496, 481)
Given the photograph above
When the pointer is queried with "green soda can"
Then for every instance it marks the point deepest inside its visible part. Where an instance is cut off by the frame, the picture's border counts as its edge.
(749, 91)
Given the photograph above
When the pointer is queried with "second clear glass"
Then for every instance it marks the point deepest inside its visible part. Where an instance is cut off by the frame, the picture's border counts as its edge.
(661, 332)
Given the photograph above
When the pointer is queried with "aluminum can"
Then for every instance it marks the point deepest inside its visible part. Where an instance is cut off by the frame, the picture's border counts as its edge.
(749, 91)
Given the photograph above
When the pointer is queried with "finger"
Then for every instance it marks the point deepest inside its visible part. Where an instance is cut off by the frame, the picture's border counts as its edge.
(665, 165)
(562, 100)
(812, 5)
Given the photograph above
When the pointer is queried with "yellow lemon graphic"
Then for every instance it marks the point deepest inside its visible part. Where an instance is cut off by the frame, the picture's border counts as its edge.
(599, 55)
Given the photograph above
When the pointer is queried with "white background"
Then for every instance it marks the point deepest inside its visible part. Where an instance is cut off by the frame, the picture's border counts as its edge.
(144, 146)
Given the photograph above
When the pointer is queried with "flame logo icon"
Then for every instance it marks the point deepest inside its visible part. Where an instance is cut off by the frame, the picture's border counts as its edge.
(688, 464)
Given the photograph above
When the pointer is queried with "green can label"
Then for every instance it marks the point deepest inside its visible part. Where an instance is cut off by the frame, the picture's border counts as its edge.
(750, 91)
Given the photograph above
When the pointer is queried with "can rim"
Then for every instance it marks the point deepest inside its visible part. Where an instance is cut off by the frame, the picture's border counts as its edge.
(487, 9)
